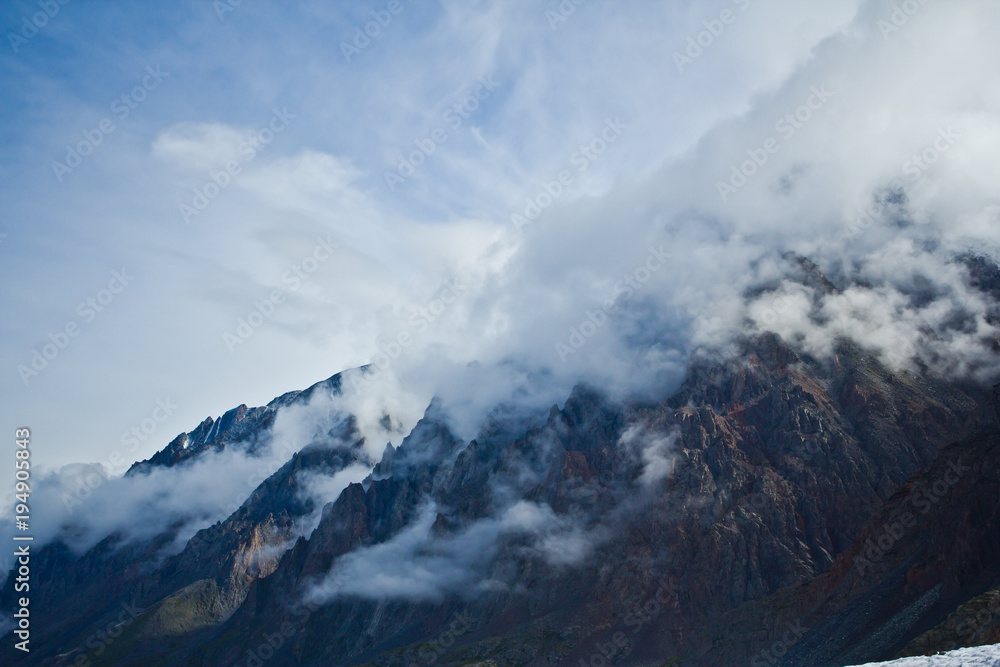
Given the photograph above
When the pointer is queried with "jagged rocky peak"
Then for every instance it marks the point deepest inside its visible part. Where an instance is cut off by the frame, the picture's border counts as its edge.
(429, 445)
(241, 425)
(551, 528)
(809, 274)
(984, 273)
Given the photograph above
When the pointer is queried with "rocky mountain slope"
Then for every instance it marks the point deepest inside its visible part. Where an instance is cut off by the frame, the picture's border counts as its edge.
(920, 578)
(777, 509)
(773, 474)
(87, 591)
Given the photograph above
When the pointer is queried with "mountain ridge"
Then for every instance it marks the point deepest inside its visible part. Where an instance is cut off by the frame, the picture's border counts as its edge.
(696, 529)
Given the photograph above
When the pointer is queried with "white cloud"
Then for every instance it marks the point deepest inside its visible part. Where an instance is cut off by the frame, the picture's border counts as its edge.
(199, 146)
(656, 186)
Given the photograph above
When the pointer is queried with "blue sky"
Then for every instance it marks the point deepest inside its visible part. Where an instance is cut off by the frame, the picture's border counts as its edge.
(319, 182)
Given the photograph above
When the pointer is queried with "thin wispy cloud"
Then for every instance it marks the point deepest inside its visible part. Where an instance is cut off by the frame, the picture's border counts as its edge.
(347, 122)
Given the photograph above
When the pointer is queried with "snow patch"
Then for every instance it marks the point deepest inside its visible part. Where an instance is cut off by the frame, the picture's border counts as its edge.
(979, 656)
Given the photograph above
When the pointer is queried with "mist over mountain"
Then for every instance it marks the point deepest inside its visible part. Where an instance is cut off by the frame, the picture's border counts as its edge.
(602, 526)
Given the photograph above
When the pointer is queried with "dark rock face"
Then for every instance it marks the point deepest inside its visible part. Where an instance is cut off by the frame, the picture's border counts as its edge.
(707, 529)
(921, 577)
(240, 426)
(84, 592)
(983, 274)
(777, 463)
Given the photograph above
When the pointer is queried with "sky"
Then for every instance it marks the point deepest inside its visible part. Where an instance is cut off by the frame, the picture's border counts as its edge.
(213, 203)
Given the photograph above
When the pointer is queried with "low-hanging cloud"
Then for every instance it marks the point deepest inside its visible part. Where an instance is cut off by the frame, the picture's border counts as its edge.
(416, 565)
(883, 183)
(891, 122)
(422, 564)
(82, 504)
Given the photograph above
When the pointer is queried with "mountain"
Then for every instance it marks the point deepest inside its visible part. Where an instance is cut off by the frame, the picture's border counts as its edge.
(776, 509)
(774, 474)
(88, 590)
(921, 577)
(242, 427)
